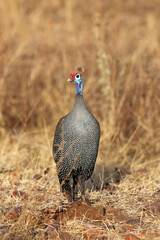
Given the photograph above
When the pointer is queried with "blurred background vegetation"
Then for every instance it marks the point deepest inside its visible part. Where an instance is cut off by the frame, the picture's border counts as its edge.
(118, 44)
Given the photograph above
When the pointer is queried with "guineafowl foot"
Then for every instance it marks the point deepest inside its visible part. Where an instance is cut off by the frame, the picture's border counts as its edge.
(67, 190)
(75, 189)
(81, 186)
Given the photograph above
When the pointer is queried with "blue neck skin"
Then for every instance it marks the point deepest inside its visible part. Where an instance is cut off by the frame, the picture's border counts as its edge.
(79, 86)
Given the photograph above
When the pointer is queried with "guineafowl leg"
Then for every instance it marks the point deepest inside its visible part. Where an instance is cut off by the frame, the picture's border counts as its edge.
(75, 189)
(66, 189)
(81, 186)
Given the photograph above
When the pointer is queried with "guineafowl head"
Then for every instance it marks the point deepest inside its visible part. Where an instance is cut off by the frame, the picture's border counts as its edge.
(78, 80)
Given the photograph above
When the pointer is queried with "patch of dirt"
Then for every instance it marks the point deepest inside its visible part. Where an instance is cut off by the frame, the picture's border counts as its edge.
(82, 211)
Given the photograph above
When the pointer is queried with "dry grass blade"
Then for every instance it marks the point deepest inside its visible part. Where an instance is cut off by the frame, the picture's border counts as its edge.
(41, 43)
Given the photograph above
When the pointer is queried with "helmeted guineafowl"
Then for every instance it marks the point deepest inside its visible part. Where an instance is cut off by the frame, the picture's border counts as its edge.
(76, 143)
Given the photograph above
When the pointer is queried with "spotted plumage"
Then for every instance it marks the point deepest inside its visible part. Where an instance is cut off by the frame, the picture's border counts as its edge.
(75, 145)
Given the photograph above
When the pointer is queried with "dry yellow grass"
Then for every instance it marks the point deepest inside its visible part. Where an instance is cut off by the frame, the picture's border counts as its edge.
(118, 44)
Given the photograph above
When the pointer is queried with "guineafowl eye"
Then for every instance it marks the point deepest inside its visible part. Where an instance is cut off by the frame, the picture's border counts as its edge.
(77, 76)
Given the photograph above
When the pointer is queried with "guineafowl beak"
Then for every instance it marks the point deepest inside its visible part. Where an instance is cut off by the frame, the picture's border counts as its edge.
(70, 80)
